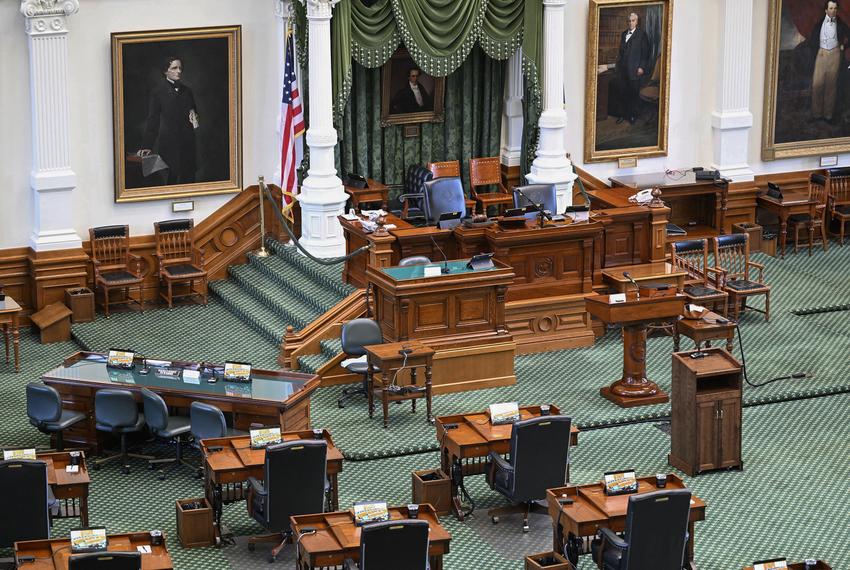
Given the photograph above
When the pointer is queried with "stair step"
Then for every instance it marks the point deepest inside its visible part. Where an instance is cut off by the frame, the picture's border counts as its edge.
(310, 363)
(328, 275)
(260, 317)
(331, 347)
(289, 279)
(289, 308)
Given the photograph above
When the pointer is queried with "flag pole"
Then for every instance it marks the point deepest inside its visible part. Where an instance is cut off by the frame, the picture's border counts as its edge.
(262, 252)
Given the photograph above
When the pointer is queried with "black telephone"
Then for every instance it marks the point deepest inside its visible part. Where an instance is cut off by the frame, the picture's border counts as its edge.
(356, 180)
(774, 191)
(707, 174)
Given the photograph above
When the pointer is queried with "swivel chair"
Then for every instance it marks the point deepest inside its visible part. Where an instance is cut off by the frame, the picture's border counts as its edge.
(116, 412)
(539, 455)
(393, 544)
(543, 194)
(293, 484)
(163, 426)
(412, 197)
(206, 422)
(442, 196)
(356, 334)
(44, 409)
(414, 260)
(24, 502)
(105, 561)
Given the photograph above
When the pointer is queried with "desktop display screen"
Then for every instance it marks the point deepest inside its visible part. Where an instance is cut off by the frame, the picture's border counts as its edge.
(18, 454)
(620, 482)
(237, 371)
(88, 539)
(505, 413)
(770, 564)
(368, 512)
(263, 437)
(120, 358)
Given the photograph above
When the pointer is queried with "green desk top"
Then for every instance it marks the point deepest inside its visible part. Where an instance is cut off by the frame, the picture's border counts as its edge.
(410, 272)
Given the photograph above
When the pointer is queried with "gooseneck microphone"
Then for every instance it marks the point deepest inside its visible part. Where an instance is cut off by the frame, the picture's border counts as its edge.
(628, 276)
(443, 253)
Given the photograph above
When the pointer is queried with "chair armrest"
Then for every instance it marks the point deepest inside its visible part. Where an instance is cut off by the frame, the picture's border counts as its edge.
(134, 261)
(255, 486)
(497, 462)
(758, 266)
(414, 196)
(198, 257)
(721, 275)
(611, 537)
(349, 564)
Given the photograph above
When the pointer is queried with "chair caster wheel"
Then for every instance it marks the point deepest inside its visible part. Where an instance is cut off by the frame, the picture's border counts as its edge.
(340, 405)
(494, 520)
(251, 547)
(96, 466)
(125, 470)
(151, 466)
(161, 476)
(272, 559)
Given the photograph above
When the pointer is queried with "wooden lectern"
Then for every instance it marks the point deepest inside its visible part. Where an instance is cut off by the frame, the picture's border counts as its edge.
(634, 314)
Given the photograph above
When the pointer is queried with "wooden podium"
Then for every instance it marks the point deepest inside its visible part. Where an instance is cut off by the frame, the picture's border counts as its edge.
(634, 314)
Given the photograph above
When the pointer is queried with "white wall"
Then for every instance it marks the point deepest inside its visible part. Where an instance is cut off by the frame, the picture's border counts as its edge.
(91, 106)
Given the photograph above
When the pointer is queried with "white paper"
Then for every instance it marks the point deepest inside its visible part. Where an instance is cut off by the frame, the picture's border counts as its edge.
(432, 271)
(191, 375)
(144, 548)
(617, 298)
(72, 468)
(349, 361)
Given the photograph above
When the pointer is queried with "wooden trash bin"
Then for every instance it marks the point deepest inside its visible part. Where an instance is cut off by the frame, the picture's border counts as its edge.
(53, 322)
(547, 560)
(434, 487)
(195, 523)
(81, 302)
(755, 232)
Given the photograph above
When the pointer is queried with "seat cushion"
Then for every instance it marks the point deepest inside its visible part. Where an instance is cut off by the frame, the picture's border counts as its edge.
(177, 425)
(611, 560)
(361, 368)
(743, 285)
(701, 291)
(138, 426)
(118, 277)
(843, 210)
(184, 271)
(66, 420)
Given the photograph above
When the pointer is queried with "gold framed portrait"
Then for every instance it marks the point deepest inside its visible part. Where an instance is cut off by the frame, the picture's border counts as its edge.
(627, 85)
(806, 80)
(177, 112)
(408, 94)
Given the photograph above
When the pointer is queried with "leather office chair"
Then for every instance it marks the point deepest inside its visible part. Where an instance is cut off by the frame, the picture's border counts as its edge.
(414, 260)
(539, 455)
(702, 282)
(393, 544)
(837, 182)
(105, 561)
(412, 198)
(442, 196)
(294, 483)
(813, 222)
(116, 412)
(24, 501)
(485, 172)
(115, 267)
(655, 535)
(178, 259)
(356, 334)
(44, 409)
(164, 426)
(732, 258)
(541, 194)
(451, 169)
(207, 421)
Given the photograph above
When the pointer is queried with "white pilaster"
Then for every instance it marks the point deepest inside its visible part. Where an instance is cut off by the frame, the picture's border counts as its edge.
(322, 197)
(52, 180)
(732, 121)
(551, 165)
(512, 114)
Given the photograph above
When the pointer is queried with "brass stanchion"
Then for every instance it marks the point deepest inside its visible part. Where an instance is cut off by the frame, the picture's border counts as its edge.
(262, 252)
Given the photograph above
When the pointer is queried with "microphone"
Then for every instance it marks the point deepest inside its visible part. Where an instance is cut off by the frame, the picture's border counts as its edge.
(443, 253)
(628, 276)
(542, 214)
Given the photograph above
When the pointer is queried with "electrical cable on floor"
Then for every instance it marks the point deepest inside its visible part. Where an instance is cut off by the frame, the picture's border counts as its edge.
(794, 376)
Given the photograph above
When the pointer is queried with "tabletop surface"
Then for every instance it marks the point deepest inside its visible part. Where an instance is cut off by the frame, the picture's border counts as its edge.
(788, 198)
(9, 305)
(410, 272)
(54, 553)
(643, 271)
(236, 451)
(660, 179)
(475, 428)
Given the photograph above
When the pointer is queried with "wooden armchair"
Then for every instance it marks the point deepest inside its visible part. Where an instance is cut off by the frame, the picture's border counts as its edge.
(179, 260)
(732, 261)
(814, 220)
(114, 266)
(702, 282)
(450, 169)
(837, 183)
(487, 172)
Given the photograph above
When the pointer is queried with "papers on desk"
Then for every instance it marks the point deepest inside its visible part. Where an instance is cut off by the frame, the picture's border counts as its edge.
(72, 469)
(350, 361)
(18, 454)
(144, 548)
(373, 214)
(617, 298)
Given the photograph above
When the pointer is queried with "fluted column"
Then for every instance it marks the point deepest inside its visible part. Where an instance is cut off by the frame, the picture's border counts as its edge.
(551, 165)
(512, 115)
(51, 178)
(732, 121)
(322, 197)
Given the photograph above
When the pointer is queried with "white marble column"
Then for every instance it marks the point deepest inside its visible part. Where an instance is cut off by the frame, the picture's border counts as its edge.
(52, 180)
(322, 197)
(512, 115)
(551, 165)
(732, 121)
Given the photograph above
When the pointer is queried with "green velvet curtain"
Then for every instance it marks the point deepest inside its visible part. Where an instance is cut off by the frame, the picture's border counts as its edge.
(472, 126)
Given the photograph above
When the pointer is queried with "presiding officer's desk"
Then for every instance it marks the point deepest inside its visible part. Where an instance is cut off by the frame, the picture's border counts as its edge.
(270, 398)
(70, 489)
(53, 554)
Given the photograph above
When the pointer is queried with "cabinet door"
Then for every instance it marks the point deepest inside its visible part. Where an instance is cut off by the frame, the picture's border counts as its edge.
(730, 432)
(707, 442)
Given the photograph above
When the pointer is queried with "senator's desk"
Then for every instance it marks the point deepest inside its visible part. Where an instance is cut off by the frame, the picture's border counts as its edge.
(226, 471)
(392, 357)
(460, 314)
(70, 489)
(271, 398)
(469, 444)
(53, 554)
(790, 204)
(575, 524)
(373, 192)
(337, 538)
(801, 566)
(10, 311)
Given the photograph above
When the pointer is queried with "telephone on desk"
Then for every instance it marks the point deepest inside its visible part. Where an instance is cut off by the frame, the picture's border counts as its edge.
(643, 197)
(356, 181)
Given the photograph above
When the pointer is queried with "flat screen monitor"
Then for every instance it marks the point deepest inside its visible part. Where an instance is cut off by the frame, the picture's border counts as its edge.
(265, 436)
(620, 482)
(117, 358)
(91, 539)
(237, 371)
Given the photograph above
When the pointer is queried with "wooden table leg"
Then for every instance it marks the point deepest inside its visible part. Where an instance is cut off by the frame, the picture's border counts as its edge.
(783, 228)
(16, 341)
(370, 390)
(413, 383)
(690, 546)
(429, 417)
(84, 509)
(6, 338)
(436, 562)
(334, 492)
(385, 396)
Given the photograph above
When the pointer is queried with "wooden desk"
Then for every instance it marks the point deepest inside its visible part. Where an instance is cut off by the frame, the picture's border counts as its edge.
(9, 313)
(53, 554)
(655, 272)
(474, 438)
(575, 524)
(800, 566)
(271, 398)
(705, 330)
(338, 538)
(226, 471)
(373, 192)
(70, 489)
(791, 203)
(389, 357)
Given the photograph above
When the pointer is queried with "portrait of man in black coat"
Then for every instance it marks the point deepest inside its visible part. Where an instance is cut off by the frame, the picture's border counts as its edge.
(413, 97)
(632, 63)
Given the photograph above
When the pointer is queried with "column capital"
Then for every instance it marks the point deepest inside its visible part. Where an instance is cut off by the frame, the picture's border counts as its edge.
(44, 17)
(284, 9)
(320, 9)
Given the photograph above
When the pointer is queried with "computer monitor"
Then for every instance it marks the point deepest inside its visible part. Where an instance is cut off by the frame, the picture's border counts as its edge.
(117, 358)
(92, 539)
(620, 482)
(237, 371)
(265, 436)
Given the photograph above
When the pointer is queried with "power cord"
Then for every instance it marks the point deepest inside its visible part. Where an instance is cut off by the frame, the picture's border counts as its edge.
(794, 376)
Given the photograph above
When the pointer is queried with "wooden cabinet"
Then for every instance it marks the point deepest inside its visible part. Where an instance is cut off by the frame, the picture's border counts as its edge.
(706, 412)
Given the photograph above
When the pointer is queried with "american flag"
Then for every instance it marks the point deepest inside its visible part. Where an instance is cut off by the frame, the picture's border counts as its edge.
(292, 126)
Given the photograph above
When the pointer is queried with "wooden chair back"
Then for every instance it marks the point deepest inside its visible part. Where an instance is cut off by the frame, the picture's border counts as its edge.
(732, 254)
(174, 241)
(448, 168)
(691, 256)
(110, 246)
(818, 193)
(485, 172)
(838, 186)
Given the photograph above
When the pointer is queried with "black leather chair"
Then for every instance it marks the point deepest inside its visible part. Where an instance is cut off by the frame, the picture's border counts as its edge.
(392, 545)
(655, 535)
(540, 194)
(442, 196)
(413, 198)
(116, 412)
(414, 260)
(24, 501)
(356, 334)
(538, 461)
(44, 409)
(294, 483)
(164, 426)
(105, 561)
(207, 421)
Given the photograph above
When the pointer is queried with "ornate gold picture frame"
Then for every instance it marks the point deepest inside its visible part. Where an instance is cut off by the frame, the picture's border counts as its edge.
(177, 112)
(399, 103)
(627, 85)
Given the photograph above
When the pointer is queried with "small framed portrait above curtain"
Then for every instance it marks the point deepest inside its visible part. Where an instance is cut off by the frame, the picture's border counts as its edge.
(409, 95)
(807, 79)
(176, 103)
(628, 79)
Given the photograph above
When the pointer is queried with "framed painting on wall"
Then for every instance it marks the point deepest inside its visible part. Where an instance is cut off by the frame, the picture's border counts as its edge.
(177, 108)
(807, 80)
(409, 95)
(627, 85)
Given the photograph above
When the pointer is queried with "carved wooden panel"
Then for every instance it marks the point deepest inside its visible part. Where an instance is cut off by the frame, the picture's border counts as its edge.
(472, 309)
(549, 324)
(431, 315)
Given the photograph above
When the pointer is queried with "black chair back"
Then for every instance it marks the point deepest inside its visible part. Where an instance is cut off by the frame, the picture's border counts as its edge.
(656, 530)
(23, 501)
(294, 480)
(105, 561)
(115, 408)
(156, 411)
(539, 193)
(442, 196)
(689, 246)
(416, 177)
(44, 404)
(358, 333)
(391, 545)
(207, 421)
(182, 225)
(540, 450)
(731, 240)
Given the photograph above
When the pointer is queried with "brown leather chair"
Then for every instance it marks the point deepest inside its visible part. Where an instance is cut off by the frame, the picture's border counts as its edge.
(813, 221)
(837, 182)
(701, 283)
(114, 266)
(732, 259)
(179, 260)
(487, 172)
(449, 169)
